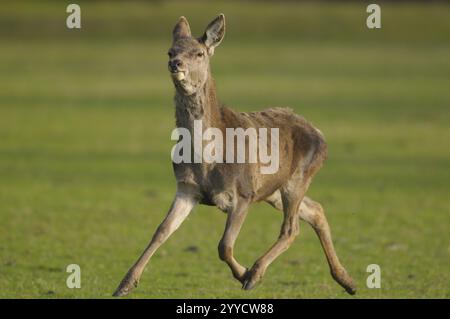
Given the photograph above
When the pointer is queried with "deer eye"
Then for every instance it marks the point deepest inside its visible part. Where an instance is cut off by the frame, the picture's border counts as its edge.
(200, 54)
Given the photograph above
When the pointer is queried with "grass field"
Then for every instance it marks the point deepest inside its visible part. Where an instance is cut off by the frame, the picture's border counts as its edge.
(85, 123)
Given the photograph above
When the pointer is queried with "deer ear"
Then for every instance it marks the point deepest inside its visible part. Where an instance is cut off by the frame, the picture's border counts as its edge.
(182, 29)
(214, 33)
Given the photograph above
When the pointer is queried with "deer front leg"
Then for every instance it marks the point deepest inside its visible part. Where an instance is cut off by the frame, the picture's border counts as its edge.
(235, 219)
(180, 209)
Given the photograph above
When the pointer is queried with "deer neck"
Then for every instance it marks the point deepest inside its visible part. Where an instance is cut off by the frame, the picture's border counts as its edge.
(202, 105)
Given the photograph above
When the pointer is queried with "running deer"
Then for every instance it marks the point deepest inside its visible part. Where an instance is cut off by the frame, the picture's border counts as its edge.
(232, 187)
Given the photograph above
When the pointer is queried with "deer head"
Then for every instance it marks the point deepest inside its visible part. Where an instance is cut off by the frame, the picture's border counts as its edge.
(189, 57)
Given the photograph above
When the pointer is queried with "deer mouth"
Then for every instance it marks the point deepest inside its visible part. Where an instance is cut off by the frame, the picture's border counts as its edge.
(178, 75)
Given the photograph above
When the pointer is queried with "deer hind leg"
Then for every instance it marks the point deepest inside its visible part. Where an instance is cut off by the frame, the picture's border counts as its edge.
(235, 219)
(180, 209)
(291, 197)
(312, 212)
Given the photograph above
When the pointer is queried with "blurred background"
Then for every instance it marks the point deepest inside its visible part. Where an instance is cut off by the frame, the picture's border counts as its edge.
(85, 122)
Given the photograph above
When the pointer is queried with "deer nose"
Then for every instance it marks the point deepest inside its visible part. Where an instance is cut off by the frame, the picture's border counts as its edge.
(175, 64)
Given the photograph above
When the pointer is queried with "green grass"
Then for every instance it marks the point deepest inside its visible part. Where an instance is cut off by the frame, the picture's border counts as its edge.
(85, 123)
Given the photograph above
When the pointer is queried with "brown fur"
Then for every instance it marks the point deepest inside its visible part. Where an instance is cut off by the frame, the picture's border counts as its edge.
(297, 138)
(233, 187)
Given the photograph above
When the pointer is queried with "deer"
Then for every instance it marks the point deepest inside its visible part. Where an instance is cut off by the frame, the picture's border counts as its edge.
(233, 187)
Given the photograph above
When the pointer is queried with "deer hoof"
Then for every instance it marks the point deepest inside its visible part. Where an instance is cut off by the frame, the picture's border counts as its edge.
(350, 290)
(349, 286)
(345, 281)
(120, 292)
(248, 284)
(125, 287)
(252, 278)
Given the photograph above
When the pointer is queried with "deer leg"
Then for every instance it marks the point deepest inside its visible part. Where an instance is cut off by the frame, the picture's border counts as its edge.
(235, 219)
(312, 212)
(180, 209)
(289, 230)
